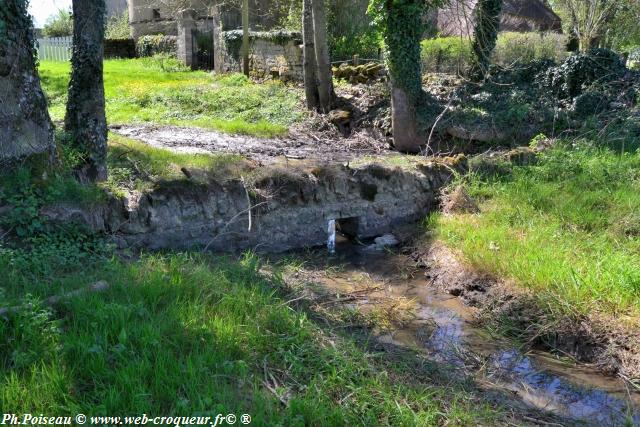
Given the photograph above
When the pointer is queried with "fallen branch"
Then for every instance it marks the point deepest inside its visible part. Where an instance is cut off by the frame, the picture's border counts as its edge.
(55, 300)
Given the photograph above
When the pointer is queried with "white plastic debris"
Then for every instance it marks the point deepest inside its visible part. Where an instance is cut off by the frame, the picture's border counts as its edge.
(331, 241)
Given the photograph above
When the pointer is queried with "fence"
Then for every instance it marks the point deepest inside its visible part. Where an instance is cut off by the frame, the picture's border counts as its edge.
(55, 49)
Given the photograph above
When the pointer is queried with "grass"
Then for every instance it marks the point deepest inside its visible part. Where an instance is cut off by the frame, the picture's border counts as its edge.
(145, 91)
(192, 334)
(567, 228)
(134, 165)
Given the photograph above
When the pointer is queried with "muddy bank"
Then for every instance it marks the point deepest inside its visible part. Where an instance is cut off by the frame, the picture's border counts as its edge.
(514, 312)
(269, 209)
(387, 294)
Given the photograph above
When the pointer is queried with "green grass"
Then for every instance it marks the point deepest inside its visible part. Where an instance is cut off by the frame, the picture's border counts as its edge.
(147, 91)
(134, 165)
(189, 334)
(567, 228)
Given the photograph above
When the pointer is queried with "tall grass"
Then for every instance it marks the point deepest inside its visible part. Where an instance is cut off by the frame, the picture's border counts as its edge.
(567, 228)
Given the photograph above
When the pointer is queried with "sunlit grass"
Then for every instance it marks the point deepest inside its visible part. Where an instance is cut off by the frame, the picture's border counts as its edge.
(568, 229)
(193, 334)
(139, 92)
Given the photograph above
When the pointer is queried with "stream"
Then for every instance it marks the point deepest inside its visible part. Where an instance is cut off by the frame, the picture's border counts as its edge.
(444, 328)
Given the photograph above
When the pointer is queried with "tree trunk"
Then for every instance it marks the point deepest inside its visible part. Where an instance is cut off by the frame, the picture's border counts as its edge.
(487, 26)
(323, 63)
(25, 126)
(309, 57)
(245, 37)
(406, 136)
(85, 119)
(402, 35)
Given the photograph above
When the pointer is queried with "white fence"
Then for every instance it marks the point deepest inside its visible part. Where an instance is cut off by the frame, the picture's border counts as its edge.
(55, 49)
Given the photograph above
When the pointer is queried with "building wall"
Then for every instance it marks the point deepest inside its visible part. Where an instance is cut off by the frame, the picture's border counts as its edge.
(116, 7)
(149, 17)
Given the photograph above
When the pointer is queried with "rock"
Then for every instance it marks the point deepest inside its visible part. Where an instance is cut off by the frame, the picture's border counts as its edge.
(386, 241)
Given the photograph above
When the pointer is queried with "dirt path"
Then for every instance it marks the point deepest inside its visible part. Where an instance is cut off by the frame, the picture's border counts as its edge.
(299, 144)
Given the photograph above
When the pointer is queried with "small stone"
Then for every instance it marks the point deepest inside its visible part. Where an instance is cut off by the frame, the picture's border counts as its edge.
(388, 240)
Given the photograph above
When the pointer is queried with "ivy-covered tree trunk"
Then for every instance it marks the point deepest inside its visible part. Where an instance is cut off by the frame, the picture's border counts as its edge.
(25, 126)
(245, 37)
(85, 120)
(323, 63)
(309, 57)
(487, 26)
(401, 22)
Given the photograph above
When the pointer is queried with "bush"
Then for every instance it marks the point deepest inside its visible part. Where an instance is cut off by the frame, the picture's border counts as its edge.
(446, 54)
(158, 44)
(454, 55)
(118, 27)
(580, 71)
(525, 47)
(59, 25)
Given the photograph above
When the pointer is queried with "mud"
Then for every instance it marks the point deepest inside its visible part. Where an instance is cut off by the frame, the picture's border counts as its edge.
(409, 312)
(587, 339)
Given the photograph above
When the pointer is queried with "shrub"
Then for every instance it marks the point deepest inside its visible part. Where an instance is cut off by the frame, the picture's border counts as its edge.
(118, 27)
(453, 54)
(446, 54)
(525, 47)
(158, 44)
(582, 70)
(59, 25)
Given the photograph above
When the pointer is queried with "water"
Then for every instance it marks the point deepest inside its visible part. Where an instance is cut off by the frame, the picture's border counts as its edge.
(443, 327)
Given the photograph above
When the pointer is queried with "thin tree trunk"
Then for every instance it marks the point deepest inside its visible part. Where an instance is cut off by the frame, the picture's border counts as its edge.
(85, 119)
(245, 37)
(323, 63)
(25, 126)
(309, 57)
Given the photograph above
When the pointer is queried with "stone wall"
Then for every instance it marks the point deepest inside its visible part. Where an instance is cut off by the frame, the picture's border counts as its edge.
(276, 53)
(288, 210)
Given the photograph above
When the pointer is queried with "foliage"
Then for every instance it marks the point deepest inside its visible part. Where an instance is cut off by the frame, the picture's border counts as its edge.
(156, 45)
(118, 27)
(350, 32)
(453, 54)
(149, 90)
(401, 26)
(446, 54)
(45, 247)
(59, 25)
(582, 70)
(566, 228)
(591, 20)
(486, 27)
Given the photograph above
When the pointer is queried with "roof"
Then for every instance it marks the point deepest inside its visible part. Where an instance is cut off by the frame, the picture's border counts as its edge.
(517, 15)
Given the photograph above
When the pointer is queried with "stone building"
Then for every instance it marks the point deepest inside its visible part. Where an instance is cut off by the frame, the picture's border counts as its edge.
(148, 17)
(116, 7)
